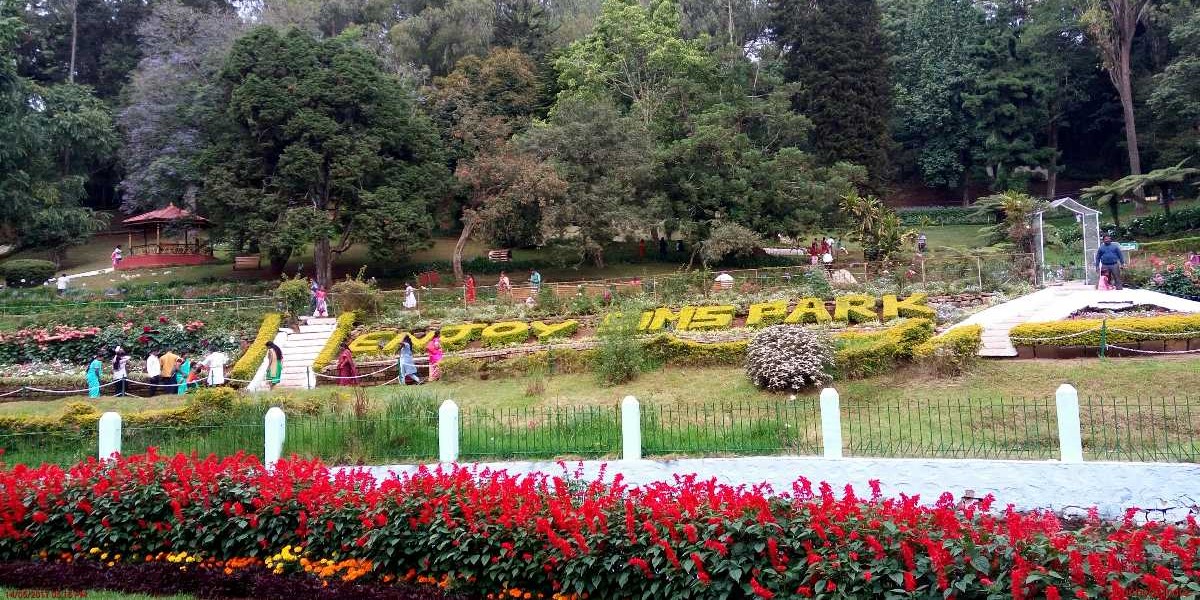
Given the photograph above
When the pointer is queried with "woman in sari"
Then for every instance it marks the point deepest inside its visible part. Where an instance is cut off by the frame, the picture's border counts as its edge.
(183, 373)
(410, 297)
(470, 286)
(94, 370)
(274, 365)
(434, 347)
(347, 370)
(408, 368)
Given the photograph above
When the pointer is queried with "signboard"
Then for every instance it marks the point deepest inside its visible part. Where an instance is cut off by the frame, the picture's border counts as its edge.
(1127, 246)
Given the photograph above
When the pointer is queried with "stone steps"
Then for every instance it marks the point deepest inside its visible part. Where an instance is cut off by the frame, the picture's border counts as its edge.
(302, 348)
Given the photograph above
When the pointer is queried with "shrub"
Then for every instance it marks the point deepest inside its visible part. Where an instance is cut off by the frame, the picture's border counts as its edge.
(294, 295)
(246, 366)
(505, 333)
(456, 337)
(868, 354)
(953, 352)
(551, 331)
(27, 272)
(333, 345)
(358, 296)
(670, 350)
(944, 215)
(1086, 332)
(619, 358)
(1181, 245)
(456, 368)
(789, 358)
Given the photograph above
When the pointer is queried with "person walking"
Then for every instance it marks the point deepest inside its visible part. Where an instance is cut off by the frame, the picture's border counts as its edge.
(535, 280)
(169, 360)
(921, 241)
(469, 286)
(410, 297)
(1109, 257)
(183, 374)
(153, 371)
(405, 363)
(814, 252)
(312, 295)
(116, 257)
(274, 365)
(94, 370)
(61, 284)
(214, 368)
(322, 309)
(434, 348)
(503, 285)
(346, 369)
(120, 367)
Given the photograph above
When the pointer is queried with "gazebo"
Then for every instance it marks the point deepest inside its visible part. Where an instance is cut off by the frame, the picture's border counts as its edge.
(190, 251)
(1089, 221)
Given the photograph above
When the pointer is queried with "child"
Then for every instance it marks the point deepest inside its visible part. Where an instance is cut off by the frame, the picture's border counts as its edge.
(1104, 284)
(322, 309)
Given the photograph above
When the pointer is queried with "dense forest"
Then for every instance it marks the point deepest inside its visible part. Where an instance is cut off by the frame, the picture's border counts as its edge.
(377, 122)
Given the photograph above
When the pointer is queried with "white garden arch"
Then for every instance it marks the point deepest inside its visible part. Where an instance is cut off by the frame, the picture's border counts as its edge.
(1089, 221)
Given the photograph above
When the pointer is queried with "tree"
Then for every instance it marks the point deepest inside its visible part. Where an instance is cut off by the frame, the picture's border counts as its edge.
(1176, 96)
(54, 137)
(1160, 179)
(602, 156)
(1015, 226)
(1112, 25)
(437, 33)
(172, 95)
(321, 146)
(876, 227)
(835, 49)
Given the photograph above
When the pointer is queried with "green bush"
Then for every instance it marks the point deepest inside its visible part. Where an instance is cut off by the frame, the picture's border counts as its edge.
(294, 295)
(789, 358)
(620, 357)
(248, 364)
(943, 215)
(1181, 245)
(358, 296)
(952, 353)
(1086, 332)
(27, 272)
(861, 355)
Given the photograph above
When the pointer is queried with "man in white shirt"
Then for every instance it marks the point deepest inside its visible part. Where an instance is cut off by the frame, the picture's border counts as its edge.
(214, 364)
(725, 281)
(153, 371)
(61, 282)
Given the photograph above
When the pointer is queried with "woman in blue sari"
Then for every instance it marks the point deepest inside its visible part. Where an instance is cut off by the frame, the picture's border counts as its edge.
(183, 372)
(408, 369)
(94, 370)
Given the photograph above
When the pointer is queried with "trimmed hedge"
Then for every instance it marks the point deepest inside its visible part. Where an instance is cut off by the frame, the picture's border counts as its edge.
(952, 352)
(248, 364)
(1187, 244)
(550, 331)
(944, 215)
(670, 350)
(345, 324)
(1080, 332)
(456, 337)
(505, 333)
(26, 272)
(862, 355)
(1158, 224)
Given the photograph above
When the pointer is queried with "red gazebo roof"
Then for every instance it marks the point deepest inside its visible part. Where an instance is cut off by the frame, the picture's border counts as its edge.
(167, 214)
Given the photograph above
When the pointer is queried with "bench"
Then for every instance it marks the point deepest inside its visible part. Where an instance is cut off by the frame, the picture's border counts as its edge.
(251, 262)
(499, 255)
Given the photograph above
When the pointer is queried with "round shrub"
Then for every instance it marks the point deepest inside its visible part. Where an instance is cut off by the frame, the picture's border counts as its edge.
(789, 358)
(358, 296)
(27, 272)
(295, 296)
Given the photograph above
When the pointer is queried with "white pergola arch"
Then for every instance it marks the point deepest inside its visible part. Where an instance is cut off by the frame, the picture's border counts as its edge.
(1089, 222)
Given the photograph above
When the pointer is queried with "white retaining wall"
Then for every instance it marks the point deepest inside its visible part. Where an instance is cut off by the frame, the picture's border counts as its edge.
(1162, 491)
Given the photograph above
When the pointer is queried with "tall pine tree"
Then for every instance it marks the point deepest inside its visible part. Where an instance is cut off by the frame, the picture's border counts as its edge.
(835, 50)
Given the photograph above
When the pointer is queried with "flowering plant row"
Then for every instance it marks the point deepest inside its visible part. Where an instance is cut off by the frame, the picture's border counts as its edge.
(78, 344)
(490, 534)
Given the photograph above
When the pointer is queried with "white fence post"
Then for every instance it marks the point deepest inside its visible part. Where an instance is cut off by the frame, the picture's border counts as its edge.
(110, 435)
(831, 423)
(1070, 442)
(631, 429)
(276, 424)
(448, 432)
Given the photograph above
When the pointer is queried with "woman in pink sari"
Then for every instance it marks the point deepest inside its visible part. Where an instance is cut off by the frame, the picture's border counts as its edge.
(470, 289)
(434, 347)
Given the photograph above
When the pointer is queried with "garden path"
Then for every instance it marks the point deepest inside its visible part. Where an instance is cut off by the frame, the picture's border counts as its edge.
(1056, 303)
(300, 349)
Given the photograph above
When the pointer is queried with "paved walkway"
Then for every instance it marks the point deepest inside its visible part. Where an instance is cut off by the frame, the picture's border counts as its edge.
(1056, 303)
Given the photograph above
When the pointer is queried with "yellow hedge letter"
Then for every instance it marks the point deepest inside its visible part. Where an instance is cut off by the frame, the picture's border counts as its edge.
(460, 334)
(766, 313)
(545, 330)
(854, 308)
(418, 341)
(912, 306)
(710, 317)
(810, 310)
(662, 316)
(372, 342)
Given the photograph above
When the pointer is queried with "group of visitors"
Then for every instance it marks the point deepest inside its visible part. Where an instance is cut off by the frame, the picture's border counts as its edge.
(824, 250)
(504, 287)
(347, 370)
(168, 371)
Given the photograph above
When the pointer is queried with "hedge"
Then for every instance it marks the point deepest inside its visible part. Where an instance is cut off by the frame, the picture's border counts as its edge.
(549, 331)
(944, 215)
(674, 351)
(952, 352)
(26, 272)
(505, 333)
(333, 346)
(490, 533)
(1157, 224)
(246, 366)
(862, 355)
(1086, 332)
(1187, 244)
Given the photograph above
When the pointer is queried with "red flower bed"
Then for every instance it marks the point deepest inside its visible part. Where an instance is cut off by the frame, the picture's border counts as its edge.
(490, 533)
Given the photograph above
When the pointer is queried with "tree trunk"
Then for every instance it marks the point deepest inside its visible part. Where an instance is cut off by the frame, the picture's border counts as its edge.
(456, 260)
(1052, 168)
(277, 263)
(74, 39)
(966, 189)
(1125, 92)
(323, 262)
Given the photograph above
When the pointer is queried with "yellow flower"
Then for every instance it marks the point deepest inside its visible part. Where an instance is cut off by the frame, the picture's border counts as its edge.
(94, 550)
(104, 556)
